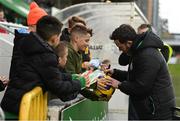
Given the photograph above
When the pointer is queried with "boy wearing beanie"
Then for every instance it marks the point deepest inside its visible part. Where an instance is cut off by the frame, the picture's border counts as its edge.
(39, 67)
(34, 15)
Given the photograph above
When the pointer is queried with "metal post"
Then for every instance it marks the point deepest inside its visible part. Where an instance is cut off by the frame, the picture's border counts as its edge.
(132, 13)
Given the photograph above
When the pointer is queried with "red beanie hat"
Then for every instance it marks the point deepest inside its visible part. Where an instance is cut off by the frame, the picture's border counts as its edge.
(35, 13)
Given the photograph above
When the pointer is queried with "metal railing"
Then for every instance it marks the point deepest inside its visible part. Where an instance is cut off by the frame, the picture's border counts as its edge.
(33, 105)
(10, 27)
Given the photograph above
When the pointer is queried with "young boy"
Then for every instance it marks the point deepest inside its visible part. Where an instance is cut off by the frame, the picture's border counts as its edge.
(65, 36)
(39, 67)
(62, 52)
(80, 37)
(35, 13)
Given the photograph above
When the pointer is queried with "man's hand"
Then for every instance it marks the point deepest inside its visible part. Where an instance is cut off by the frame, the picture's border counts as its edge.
(109, 72)
(113, 82)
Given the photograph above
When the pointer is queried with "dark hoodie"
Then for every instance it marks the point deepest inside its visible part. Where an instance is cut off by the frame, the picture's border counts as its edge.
(124, 58)
(147, 81)
(38, 67)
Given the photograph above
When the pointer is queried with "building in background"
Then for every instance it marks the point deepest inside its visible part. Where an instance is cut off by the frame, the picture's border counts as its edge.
(15, 10)
(150, 9)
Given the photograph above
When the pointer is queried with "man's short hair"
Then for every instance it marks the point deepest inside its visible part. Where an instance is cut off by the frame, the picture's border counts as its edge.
(48, 26)
(75, 19)
(124, 33)
(80, 28)
(143, 26)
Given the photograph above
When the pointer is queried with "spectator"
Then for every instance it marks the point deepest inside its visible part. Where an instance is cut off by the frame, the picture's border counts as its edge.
(34, 15)
(86, 55)
(62, 52)
(2, 19)
(80, 37)
(39, 67)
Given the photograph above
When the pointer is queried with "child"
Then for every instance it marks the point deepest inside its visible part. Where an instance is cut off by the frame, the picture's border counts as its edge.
(65, 36)
(80, 37)
(35, 13)
(39, 67)
(62, 52)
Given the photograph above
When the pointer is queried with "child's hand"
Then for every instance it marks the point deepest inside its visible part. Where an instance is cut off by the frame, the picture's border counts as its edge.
(4, 80)
(86, 65)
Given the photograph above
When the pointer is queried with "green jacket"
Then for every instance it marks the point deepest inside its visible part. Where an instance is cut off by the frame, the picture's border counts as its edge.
(74, 61)
(73, 66)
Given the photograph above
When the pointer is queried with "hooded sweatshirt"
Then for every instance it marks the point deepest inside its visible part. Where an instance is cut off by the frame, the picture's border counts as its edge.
(147, 81)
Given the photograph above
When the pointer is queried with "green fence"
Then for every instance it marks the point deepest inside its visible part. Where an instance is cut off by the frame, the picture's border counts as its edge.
(175, 74)
(85, 110)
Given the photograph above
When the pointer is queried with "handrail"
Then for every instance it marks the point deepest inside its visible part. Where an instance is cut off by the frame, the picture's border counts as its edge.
(7, 29)
(11, 26)
(33, 105)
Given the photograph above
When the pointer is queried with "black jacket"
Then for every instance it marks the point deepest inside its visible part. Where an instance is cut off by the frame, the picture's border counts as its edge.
(16, 55)
(147, 81)
(65, 35)
(38, 67)
(124, 59)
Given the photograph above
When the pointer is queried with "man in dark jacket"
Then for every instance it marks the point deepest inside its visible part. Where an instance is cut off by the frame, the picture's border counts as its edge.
(39, 67)
(147, 81)
(166, 50)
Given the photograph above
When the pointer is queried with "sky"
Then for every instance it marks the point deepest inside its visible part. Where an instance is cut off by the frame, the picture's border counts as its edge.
(170, 9)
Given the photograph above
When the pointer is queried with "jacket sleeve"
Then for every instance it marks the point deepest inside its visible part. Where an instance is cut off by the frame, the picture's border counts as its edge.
(124, 59)
(70, 66)
(145, 70)
(119, 75)
(58, 83)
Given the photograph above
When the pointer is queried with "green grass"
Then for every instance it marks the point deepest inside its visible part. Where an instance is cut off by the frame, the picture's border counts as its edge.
(175, 74)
